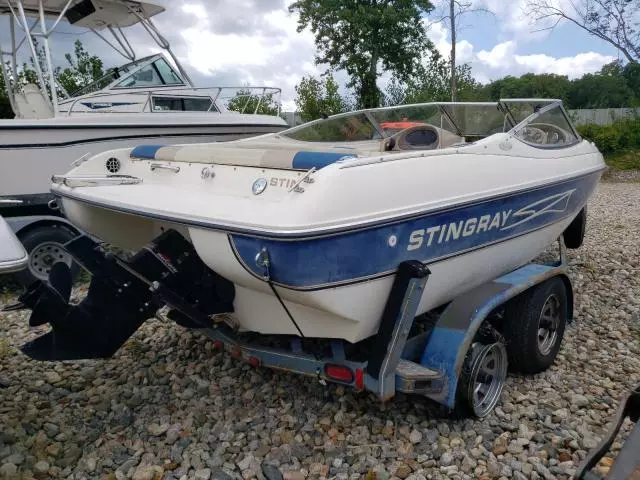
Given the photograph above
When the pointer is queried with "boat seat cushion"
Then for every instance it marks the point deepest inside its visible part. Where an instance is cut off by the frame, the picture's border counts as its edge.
(251, 157)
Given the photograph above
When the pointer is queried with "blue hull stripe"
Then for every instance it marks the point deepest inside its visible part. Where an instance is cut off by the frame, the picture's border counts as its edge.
(145, 151)
(309, 160)
(352, 256)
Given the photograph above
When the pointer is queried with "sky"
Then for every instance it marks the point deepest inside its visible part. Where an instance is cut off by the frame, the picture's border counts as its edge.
(238, 42)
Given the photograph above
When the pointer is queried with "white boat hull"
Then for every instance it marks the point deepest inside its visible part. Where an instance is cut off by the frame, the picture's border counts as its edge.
(336, 221)
(350, 309)
(352, 312)
(31, 154)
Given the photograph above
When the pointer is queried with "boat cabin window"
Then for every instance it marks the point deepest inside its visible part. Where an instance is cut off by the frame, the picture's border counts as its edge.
(183, 104)
(169, 77)
(551, 128)
(155, 74)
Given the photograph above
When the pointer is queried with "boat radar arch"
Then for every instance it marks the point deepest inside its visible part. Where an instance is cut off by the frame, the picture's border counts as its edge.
(102, 17)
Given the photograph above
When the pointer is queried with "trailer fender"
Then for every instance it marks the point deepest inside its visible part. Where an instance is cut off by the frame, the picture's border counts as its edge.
(458, 324)
(20, 225)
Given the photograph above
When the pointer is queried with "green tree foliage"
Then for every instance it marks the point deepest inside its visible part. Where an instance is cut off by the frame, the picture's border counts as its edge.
(316, 98)
(433, 84)
(618, 137)
(5, 106)
(530, 85)
(613, 86)
(631, 73)
(601, 90)
(246, 101)
(83, 69)
(362, 36)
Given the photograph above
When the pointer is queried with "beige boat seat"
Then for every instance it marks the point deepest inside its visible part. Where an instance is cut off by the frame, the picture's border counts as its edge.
(286, 158)
(31, 103)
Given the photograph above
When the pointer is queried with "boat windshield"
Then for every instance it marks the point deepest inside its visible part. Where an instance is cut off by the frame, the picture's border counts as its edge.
(157, 72)
(547, 127)
(478, 119)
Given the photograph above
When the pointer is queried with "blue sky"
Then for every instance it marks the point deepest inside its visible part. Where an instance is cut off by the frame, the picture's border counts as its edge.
(235, 42)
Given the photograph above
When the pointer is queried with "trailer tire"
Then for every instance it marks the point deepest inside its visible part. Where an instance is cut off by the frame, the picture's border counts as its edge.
(45, 247)
(574, 233)
(481, 381)
(534, 326)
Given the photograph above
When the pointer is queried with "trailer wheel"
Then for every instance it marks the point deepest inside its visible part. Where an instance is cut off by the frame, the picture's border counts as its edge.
(482, 379)
(45, 247)
(534, 326)
(574, 233)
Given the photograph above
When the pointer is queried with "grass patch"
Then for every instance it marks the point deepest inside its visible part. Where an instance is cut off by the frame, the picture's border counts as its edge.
(629, 160)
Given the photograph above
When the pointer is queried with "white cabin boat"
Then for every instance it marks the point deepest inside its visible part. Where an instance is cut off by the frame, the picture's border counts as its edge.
(151, 99)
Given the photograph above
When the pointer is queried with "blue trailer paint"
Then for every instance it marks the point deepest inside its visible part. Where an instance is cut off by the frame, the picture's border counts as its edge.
(443, 349)
(441, 354)
(352, 256)
(447, 347)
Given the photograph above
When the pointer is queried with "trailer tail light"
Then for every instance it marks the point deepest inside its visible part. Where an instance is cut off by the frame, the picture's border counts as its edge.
(359, 379)
(254, 361)
(339, 373)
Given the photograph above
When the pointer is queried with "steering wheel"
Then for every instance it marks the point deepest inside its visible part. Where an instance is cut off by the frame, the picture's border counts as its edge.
(534, 135)
(554, 135)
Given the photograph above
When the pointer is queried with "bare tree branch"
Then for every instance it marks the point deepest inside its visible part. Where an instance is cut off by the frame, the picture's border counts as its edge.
(450, 12)
(617, 22)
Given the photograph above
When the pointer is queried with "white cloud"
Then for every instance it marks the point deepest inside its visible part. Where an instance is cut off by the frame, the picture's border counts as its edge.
(271, 52)
(503, 59)
(439, 35)
(234, 42)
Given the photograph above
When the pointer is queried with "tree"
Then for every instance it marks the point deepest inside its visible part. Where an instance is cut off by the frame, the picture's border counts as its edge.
(246, 101)
(318, 97)
(456, 9)
(530, 85)
(83, 70)
(433, 84)
(632, 75)
(605, 89)
(5, 105)
(362, 36)
(614, 21)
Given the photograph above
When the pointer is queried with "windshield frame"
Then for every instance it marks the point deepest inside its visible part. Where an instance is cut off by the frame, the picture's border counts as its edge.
(528, 120)
(511, 124)
(368, 113)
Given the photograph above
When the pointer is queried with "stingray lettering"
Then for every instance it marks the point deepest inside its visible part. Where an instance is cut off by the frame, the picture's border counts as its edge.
(443, 233)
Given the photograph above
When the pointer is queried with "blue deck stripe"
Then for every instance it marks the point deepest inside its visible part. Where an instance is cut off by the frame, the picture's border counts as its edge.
(308, 160)
(145, 151)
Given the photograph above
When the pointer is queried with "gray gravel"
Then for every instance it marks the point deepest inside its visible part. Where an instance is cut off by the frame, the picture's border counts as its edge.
(168, 407)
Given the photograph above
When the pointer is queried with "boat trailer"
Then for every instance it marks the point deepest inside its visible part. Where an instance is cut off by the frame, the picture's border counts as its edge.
(457, 355)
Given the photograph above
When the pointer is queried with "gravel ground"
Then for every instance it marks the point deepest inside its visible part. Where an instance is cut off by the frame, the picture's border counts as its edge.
(168, 407)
